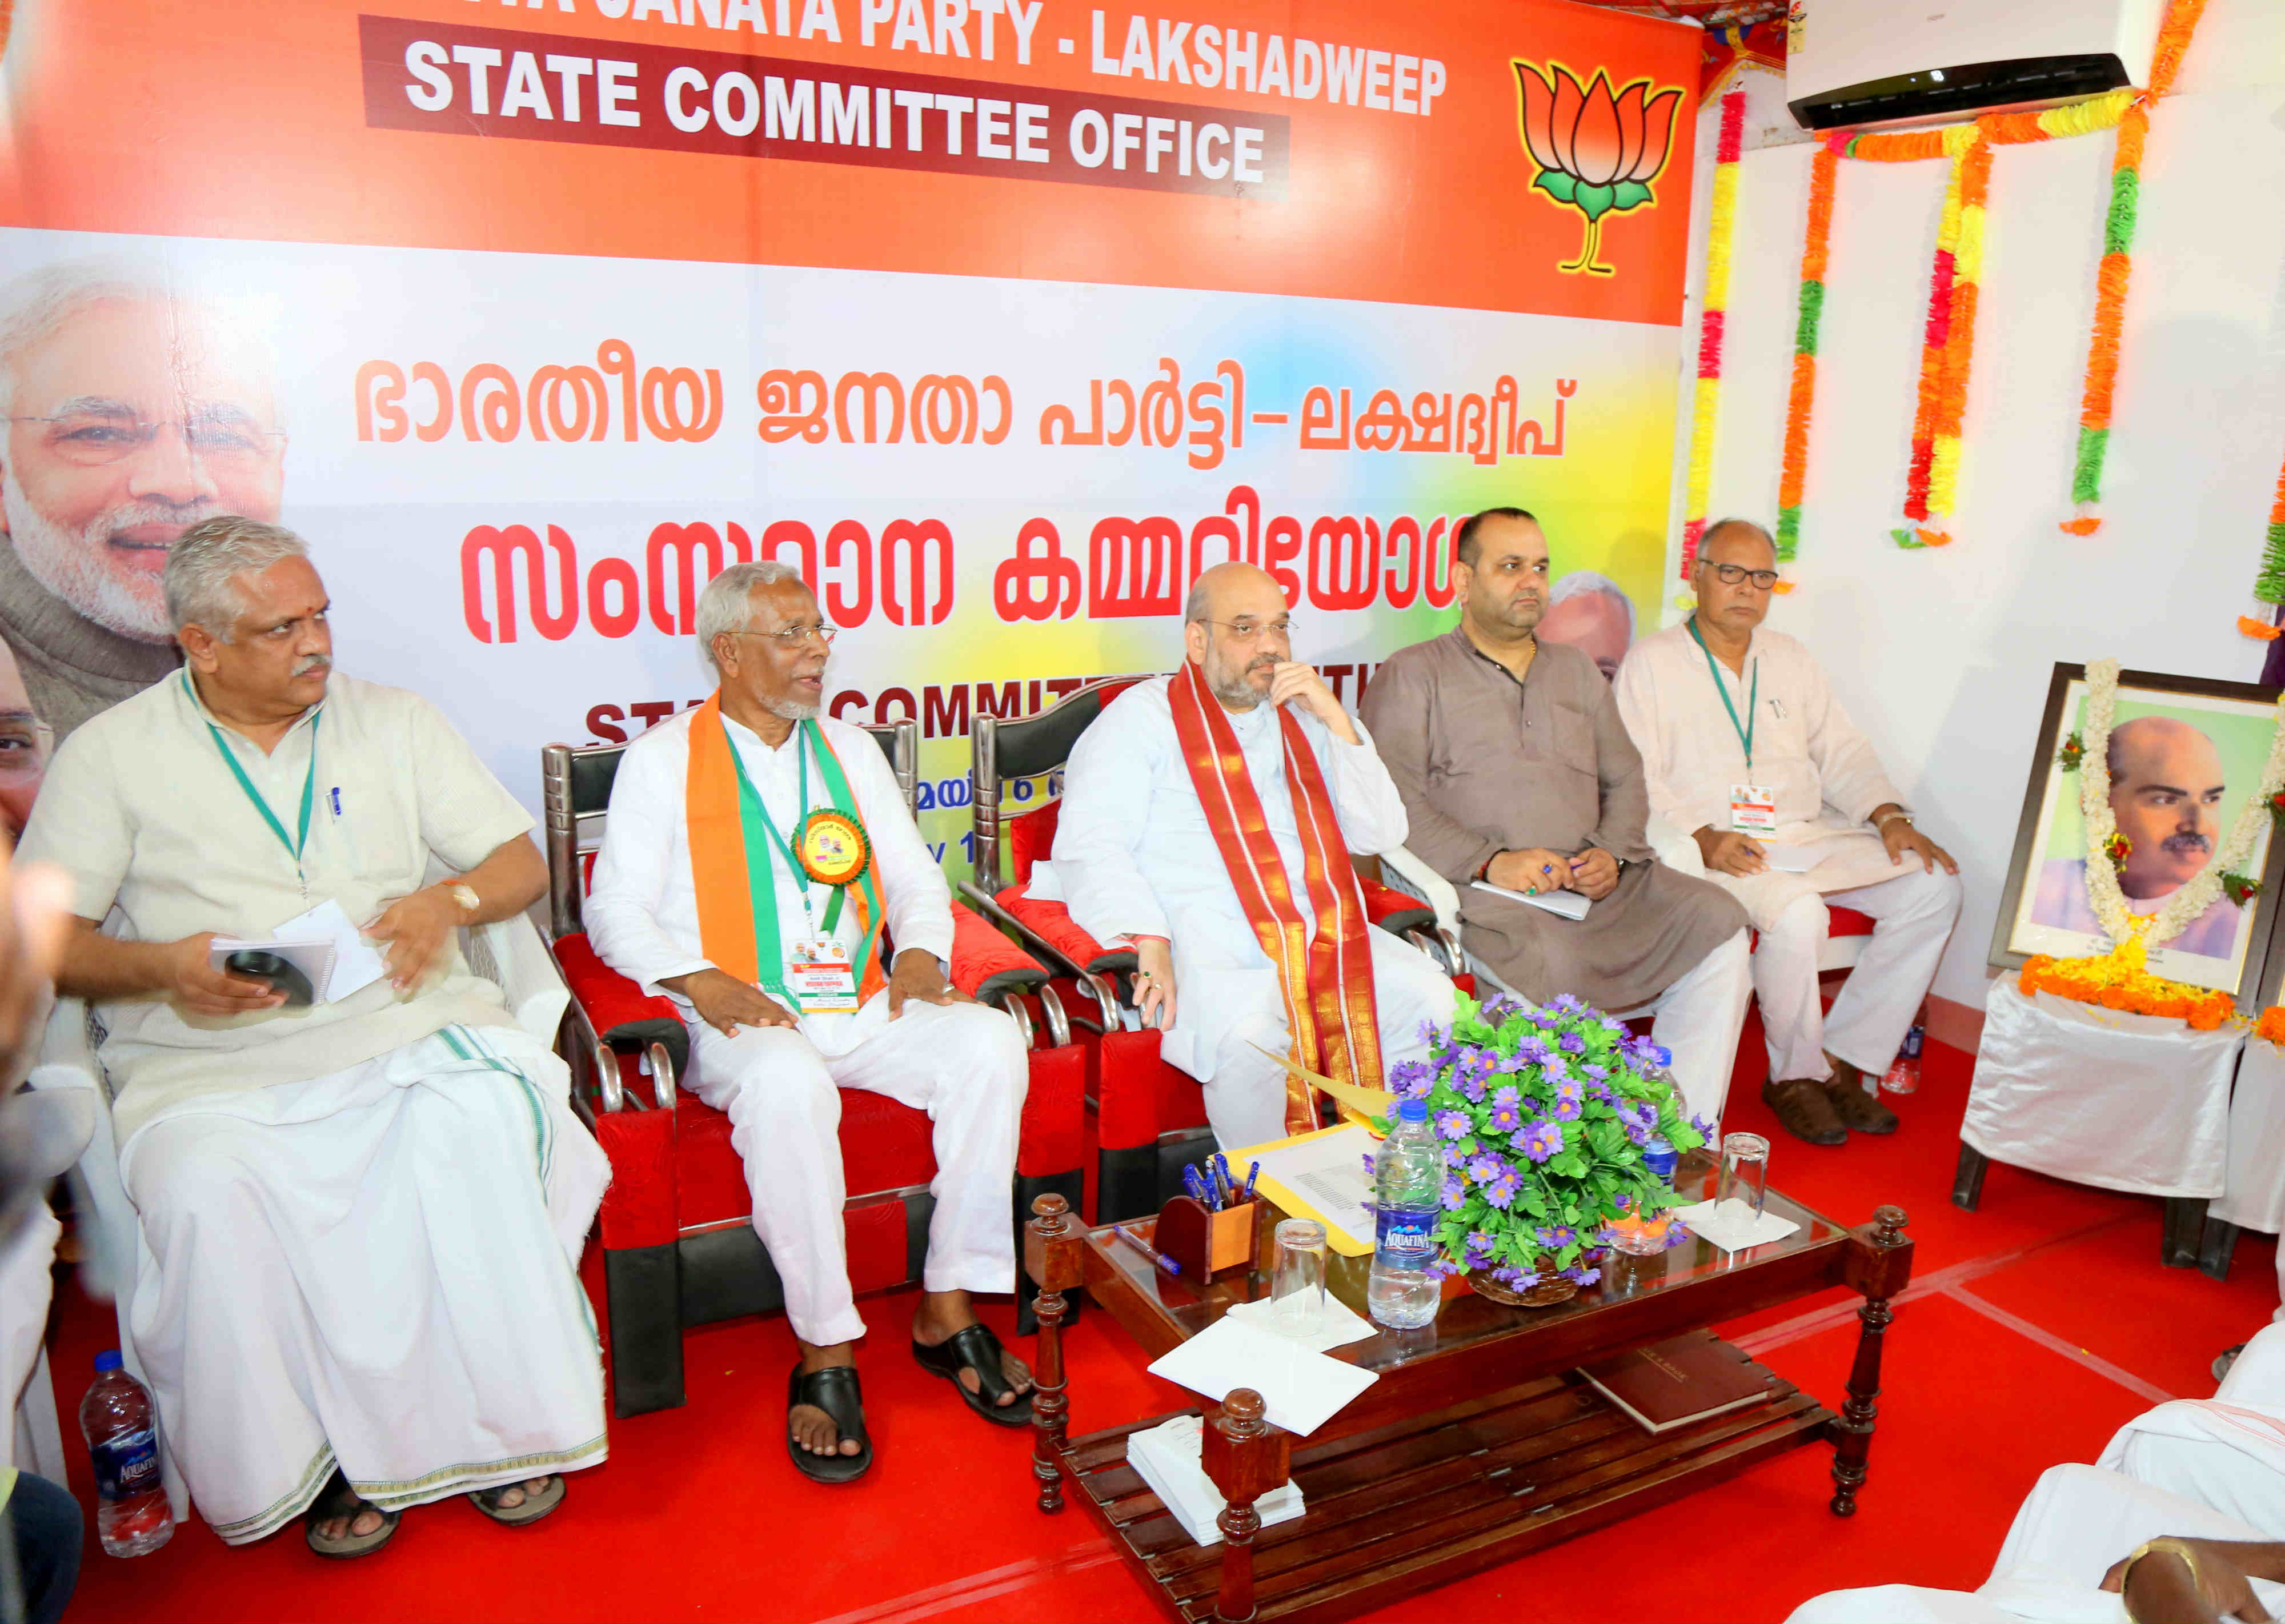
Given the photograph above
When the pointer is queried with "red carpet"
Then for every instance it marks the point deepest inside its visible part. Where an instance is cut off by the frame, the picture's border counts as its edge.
(2034, 1328)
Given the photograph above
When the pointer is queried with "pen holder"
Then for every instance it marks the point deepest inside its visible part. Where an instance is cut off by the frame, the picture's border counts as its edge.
(1202, 1241)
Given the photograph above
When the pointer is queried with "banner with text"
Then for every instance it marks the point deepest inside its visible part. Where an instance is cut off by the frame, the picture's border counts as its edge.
(1000, 319)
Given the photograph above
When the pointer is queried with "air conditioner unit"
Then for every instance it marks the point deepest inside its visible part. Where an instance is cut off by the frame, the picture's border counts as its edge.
(1851, 62)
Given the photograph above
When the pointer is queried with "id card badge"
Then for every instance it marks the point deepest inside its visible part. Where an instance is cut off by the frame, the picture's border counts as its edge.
(818, 972)
(1753, 809)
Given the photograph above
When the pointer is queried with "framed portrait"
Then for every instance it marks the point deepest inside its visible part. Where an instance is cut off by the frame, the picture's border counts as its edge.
(2186, 759)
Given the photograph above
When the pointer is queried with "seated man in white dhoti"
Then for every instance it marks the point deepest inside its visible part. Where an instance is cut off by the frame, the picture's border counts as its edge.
(1208, 818)
(2184, 1518)
(1744, 744)
(361, 1215)
(1516, 772)
(754, 855)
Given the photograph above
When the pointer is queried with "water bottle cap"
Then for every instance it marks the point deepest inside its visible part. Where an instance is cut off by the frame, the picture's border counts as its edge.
(109, 1360)
(1658, 1145)
(1412, 1111)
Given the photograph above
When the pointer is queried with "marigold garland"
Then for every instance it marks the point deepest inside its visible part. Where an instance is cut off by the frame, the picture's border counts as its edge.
(2271, 1026)
(2110, 319)
(1705, 414)
(1816, 248)
(1947, 347)
(2119, 980)
(2269, 587)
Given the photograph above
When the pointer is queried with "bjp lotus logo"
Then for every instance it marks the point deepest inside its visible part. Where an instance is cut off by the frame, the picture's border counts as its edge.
(1597, 153)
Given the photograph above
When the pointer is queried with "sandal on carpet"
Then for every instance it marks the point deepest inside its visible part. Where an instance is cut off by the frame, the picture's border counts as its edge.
(534, 1506)
(338, 1498)
(835, 1390)
(976, 1348)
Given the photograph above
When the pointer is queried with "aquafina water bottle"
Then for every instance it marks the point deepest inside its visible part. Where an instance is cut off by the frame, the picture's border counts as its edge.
(122, 1429)
(1401, 1292)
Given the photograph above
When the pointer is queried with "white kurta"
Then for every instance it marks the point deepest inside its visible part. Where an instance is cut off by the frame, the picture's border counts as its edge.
(2213, 1470)
(963, 1065)
(1826, 779)
(376, 1268)
(1134, 856)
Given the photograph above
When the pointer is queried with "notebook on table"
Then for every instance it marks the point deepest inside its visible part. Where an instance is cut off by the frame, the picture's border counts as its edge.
(1683, 1379)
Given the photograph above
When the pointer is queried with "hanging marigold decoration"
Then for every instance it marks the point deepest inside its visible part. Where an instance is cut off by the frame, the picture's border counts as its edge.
(1932, 483)
(1705, 405)
(1817, 243)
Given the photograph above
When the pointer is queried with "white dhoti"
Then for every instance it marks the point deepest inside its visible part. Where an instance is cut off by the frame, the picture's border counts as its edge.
(1697, 1020)
(1912, 916)
(961, 1063)
(1227, 1002)
(2226, 1452)
(2075, 1523)
(376, 1269)
(27, 1259)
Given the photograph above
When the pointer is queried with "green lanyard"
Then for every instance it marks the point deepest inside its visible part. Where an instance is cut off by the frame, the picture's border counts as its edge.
(1753, 699)
(309, 784)
(751, 809)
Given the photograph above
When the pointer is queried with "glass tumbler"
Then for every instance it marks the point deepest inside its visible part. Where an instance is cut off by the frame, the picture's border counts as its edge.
(1297, 1289)
(1745, 1171)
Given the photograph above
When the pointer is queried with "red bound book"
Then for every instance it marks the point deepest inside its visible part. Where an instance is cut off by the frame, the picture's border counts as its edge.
(1670, 1384)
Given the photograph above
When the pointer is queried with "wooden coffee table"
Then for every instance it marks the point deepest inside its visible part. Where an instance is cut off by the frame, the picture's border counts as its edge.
(1478, 1444)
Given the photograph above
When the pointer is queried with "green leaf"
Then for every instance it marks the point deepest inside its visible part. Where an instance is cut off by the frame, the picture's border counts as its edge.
(1533, 1202)
(1557, 184)
(1593, 201)
(1631, 194)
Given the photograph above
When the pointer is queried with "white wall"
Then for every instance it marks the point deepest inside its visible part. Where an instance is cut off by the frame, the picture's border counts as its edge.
(1944, 656)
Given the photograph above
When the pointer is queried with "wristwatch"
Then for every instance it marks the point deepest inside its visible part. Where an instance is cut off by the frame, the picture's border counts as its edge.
(466, 896)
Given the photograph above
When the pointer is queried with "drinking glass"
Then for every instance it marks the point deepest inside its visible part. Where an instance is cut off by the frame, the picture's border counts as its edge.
(1745, 1171)
(1297, 1290)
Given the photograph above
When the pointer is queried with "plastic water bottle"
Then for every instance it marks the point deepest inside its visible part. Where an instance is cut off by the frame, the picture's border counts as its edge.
(122, 1439)
(1400, 1293)
(1904, 1075)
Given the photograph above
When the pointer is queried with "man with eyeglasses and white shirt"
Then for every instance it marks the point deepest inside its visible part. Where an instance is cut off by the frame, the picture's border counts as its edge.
(1208, 818)
(132, 412)
(755, 856)
(1743, 744)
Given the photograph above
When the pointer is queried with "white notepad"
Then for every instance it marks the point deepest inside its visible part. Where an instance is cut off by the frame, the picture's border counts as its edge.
(1301, 1390)
(1569, 904)
(1169, 1458)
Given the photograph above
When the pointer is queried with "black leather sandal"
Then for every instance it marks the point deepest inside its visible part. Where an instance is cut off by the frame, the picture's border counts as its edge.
(535, 1506)
(337, 1499)
(976, 1349)
(834, 1391)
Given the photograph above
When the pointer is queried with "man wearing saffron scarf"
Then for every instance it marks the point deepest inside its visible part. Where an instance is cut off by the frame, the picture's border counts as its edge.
(1208, 816)
(754, 857)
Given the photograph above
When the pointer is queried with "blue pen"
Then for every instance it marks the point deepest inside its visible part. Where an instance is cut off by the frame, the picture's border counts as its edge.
(1252, 1173)
(1146, 1249)
(1224, 1185)
(1196, 1186)
(337, 801)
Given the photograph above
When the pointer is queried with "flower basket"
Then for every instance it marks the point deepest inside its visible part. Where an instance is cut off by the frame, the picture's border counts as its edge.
(1553, 1287)
(1543, 1114)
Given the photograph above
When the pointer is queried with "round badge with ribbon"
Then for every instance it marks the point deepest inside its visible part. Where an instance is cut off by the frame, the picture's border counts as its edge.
(832, 847)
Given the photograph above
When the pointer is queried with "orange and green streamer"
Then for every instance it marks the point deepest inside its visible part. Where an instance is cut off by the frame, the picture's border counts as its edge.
(1705, 404)
(1816, 246)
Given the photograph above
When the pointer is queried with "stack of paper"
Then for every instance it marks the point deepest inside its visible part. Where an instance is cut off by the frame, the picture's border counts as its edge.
(1569, 904)
(1167, 1458)
(1337, 1326)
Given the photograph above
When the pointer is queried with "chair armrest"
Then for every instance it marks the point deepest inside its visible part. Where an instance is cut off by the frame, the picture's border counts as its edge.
(986, 965)
(512, 954)
(622, 1016)
(1405, 872)
(1676, 848)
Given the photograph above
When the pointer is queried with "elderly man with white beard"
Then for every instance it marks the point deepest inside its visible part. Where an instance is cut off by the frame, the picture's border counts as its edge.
(132, 412)
(1208, 818)
(360, 1212)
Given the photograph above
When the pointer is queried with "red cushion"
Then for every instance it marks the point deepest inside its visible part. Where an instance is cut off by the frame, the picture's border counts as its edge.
(1848, 921)
(1055, 1113)
(609, 999)
(1026, 838)
(1395, 910)
(985, 963)
(1053, 921)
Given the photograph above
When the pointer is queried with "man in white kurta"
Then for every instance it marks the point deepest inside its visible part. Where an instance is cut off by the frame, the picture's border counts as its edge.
(2211, 1470)
(777, 1068)
(360, 1218)
(1134, 856)
(1692, 696)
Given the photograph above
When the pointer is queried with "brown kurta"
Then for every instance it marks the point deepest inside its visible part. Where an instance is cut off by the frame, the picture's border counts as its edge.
(1486, 765)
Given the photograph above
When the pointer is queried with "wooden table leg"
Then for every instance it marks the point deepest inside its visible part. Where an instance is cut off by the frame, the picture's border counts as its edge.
(1246, 1458)
(1879, 1264)
(1053, 1244)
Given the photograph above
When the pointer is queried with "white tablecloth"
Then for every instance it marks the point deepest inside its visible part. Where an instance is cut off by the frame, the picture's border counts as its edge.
(2257, 1142)
(2124, 1102)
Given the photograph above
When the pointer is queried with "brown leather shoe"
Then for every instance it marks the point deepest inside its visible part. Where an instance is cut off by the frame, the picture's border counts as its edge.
(1859, 1111)
(1805, 1111)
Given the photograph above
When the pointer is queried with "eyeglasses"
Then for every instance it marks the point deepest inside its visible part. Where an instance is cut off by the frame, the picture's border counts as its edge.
(222, 436)
(1731, 574)
(1252, 631)
(794, 636)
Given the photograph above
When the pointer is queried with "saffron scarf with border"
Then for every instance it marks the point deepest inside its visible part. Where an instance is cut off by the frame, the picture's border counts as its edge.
(730, 862)
(1325, 978)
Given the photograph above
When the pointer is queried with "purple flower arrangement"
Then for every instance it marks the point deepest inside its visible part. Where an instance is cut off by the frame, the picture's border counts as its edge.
(1541, 1115)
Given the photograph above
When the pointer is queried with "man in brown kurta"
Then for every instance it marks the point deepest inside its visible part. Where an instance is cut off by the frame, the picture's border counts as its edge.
(1516, 771)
